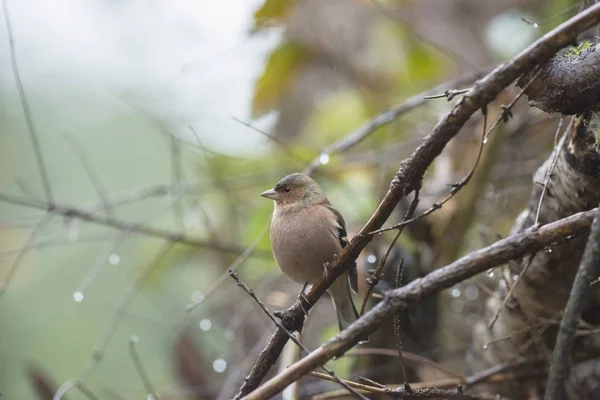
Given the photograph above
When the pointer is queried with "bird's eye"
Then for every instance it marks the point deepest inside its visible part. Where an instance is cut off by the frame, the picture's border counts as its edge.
(287, 189)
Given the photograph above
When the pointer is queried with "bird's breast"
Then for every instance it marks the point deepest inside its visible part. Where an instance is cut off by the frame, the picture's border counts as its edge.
(303, 240)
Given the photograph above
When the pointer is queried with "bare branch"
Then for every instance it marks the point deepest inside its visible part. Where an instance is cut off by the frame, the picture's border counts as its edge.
(233, 267)
(407, 179)
(455, 187)
(176, 174)
(139, 366)
(72, 212)
(110, 328)
(251, 293)
(507, 371)
(385, 118)
(557, 150)
(96, 181)
(73, 384)
(510, 292)
(33, 135)
(22, 251)
(506, 109)
(272, 138)
(397, 327)
(407, 392)
(529, 241)
(376, 273)
(588, 270)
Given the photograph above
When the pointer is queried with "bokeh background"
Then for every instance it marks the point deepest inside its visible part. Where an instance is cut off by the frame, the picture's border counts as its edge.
(177, 115)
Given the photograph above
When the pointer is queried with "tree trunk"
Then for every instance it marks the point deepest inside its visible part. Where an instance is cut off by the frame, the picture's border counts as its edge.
(528, 322)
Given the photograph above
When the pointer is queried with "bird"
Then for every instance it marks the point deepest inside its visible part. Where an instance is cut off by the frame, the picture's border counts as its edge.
(306, 233)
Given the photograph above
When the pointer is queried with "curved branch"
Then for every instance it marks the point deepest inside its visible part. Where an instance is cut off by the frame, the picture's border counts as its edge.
(412, 170)
(478, 261)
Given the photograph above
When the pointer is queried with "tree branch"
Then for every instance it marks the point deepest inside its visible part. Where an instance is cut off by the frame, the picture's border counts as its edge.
(587, 272)
(73, 212)
(529, 241)
(387, 117)
(33, 135)
(412, 170)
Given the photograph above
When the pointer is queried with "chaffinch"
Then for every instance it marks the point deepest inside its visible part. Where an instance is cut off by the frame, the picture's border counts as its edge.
(306, 232)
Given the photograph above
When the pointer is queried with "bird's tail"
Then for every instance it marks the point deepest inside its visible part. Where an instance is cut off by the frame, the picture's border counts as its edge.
(343, 304)
(346, 312)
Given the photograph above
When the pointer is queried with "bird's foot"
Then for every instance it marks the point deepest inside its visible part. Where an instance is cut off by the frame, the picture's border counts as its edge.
(327, 269)
(304, 303)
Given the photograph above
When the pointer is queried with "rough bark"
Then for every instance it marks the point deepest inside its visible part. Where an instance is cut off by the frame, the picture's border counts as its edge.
(542, 292)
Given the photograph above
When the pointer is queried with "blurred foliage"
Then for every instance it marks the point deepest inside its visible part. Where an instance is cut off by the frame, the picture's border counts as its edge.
(130, 152)
(412, 63)
(278, 76)
(272, 13)
(339, 113)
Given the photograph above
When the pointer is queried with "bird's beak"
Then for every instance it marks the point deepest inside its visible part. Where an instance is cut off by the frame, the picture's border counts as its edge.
(270, 194)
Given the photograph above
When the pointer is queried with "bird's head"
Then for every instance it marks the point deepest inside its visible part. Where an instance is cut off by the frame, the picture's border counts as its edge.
(296, 188)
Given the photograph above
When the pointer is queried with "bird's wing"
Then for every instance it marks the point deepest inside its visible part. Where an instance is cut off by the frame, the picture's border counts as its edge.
(342, 236)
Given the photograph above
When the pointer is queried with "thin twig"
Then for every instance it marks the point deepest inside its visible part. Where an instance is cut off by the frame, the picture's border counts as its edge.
(403, 392)
(396, 321)
(374, 275)
(53, 242)
(511, 335)
(291, 336)
(486, 374)
(99, 262)
(408, 178)
(557, 150)
(176, 175)
(33, 135)
(110, 328)
(507, 109)
(91, 172)
(370, 351)
(71, 384)
(497, 373)
(504, 250)
(385, 118)
(367, 388)
(233, 267)
(455, 187)
(587, 271)
(139, 366)
(449, 94)
(22, 251)
(273, 138)
(510, 292)
(73, 212)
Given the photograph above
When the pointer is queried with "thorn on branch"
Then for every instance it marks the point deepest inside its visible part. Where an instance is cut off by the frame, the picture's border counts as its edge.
(449, 94)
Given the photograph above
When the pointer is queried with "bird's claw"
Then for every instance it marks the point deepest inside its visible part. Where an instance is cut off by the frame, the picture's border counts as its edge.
(304, 303)
(327, 268)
